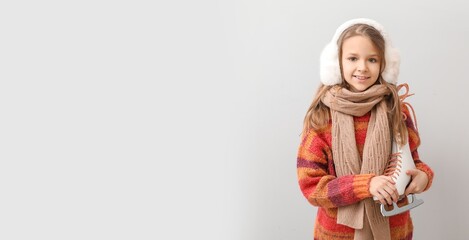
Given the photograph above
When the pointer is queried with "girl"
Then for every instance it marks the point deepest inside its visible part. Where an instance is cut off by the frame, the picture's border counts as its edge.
(347, 135)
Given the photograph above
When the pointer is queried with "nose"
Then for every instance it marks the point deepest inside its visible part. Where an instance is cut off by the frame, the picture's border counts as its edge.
(362, 66)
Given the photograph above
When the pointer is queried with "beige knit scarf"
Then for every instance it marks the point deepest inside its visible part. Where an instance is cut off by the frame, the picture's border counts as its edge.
(364, 216)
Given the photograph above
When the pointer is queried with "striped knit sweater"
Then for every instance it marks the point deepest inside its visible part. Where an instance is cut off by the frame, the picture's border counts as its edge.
(322, 188)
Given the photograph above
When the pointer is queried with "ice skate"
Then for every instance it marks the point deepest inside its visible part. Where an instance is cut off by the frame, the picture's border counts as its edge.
(401, 161)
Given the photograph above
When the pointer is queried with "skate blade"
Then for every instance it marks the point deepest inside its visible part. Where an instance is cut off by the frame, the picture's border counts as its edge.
(397, 210)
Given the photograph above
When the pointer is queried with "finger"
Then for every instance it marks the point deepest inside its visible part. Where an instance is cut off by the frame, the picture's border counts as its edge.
(390, 180)
(387, 196)
(381, 199)
(392, 190)
(389, 199)
(417, 189)
(410, 189)
(394, 195)
(392, 186)
(412, 172)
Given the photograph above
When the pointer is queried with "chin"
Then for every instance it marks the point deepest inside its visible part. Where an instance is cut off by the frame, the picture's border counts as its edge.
(360, 88)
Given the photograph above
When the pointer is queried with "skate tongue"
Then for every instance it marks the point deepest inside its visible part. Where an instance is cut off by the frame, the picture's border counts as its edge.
(414, 202)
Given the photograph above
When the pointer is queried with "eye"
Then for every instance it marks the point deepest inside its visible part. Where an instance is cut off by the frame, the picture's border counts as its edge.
(352, 59)
(373, 60)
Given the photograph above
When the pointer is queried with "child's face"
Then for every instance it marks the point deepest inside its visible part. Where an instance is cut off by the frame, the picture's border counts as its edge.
(360, 63)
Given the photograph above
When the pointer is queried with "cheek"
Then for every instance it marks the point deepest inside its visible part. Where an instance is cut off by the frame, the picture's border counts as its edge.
(377, 69)
(346, 67)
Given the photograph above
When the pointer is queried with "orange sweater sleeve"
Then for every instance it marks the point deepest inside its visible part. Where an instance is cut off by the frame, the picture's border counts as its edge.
(317, 179)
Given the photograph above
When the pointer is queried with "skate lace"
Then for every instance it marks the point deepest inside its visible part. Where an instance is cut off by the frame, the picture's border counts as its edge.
(401, 100)
(394, 166)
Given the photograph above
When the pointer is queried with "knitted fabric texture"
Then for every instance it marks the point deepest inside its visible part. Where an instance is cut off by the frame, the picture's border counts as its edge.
(365, 215)
(322, 187)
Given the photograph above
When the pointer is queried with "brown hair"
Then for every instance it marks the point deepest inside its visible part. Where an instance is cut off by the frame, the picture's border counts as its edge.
(318, 114)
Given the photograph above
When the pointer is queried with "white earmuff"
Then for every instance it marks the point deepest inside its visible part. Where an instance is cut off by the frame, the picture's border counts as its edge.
(329, 62)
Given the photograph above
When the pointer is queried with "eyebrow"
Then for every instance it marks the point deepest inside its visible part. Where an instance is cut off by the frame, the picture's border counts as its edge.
(355, 54)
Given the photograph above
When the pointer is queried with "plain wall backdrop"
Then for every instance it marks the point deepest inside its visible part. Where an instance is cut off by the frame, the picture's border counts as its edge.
(181, 119)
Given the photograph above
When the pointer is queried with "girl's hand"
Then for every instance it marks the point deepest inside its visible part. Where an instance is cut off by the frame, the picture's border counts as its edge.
(418, 183)
(383, 188)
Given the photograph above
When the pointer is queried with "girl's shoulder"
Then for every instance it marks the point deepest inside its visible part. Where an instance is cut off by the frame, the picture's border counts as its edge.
(318, 136)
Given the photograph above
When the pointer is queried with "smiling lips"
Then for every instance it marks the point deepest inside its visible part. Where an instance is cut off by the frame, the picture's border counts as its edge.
(360, 77)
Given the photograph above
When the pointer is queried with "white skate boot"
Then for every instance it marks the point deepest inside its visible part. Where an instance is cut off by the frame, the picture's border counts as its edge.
(401, 161)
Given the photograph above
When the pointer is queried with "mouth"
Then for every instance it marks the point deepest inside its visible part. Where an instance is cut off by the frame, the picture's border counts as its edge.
(360, 77)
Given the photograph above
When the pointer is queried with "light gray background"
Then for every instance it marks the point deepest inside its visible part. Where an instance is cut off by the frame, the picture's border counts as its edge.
(181, 119)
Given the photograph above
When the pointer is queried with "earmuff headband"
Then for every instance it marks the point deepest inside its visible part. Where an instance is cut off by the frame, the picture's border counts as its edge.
(329, 61)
